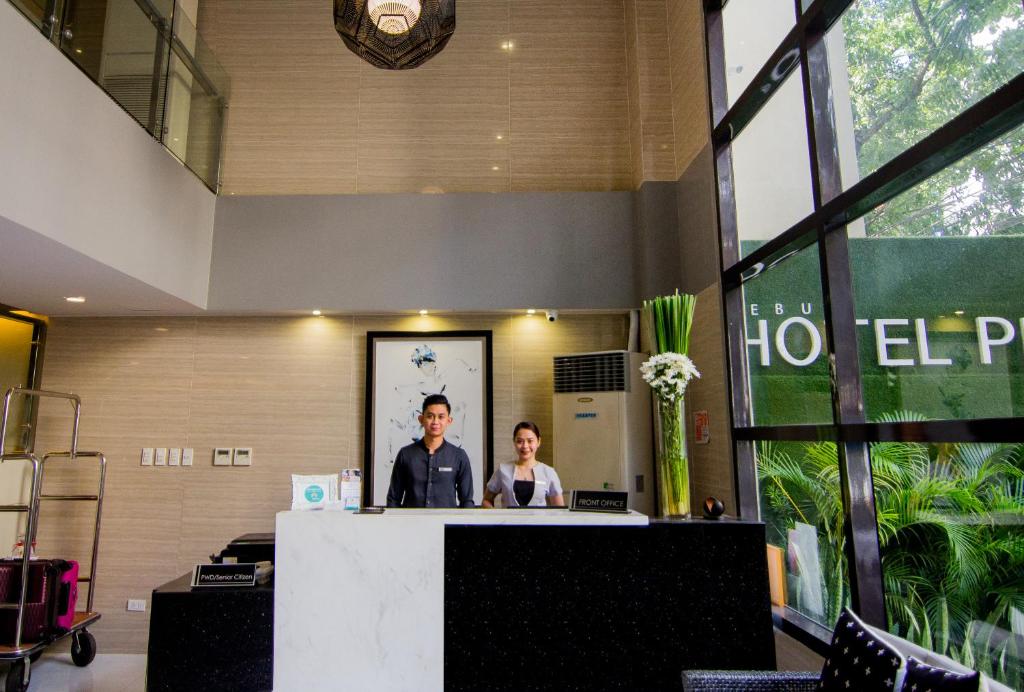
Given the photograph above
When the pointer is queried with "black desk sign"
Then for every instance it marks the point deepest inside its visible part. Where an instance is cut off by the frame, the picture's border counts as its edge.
(599, 501)
(240, 574)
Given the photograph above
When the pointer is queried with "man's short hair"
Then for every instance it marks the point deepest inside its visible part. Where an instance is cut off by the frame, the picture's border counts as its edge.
(435, 399)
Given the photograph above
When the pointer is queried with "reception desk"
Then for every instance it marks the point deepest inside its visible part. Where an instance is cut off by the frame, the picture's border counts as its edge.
(514, 600)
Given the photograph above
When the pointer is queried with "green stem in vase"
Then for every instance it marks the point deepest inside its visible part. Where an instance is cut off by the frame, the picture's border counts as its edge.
(675, 469)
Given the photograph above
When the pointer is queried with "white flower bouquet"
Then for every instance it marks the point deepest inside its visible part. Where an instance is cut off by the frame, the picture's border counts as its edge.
(668, 374)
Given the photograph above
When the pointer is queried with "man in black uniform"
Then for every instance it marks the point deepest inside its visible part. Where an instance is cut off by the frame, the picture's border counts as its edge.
(432, 472)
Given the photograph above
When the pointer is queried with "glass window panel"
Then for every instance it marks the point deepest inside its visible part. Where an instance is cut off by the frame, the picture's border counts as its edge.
(771, 167)
(952, 547)
(34, 10)
(752, 30)
(786, 348)
(117, 45)
(903, 68)
(801, 505)
(939, 292)
(197, 89)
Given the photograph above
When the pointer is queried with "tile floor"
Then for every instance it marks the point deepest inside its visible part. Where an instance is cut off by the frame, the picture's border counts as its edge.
(55, 672)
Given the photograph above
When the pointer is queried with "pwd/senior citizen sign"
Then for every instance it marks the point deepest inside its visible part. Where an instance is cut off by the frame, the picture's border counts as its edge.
(241, 574)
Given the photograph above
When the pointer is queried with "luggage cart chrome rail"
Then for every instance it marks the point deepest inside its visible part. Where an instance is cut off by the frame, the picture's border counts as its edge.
(81, 619)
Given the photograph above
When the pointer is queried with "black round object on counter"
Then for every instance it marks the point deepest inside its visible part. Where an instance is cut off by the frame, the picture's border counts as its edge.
(713, 507)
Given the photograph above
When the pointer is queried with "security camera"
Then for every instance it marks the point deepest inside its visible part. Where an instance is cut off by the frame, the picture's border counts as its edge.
(552, 315)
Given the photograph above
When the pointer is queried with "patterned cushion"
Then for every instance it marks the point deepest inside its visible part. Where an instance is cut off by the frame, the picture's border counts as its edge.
(924, 678)
(858, 660)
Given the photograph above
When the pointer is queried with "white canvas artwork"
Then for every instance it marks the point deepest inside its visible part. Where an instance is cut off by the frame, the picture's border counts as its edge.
(407, 370)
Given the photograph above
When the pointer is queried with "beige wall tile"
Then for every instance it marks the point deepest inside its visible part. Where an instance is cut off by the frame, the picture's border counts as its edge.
(290, 388)
(689, 81)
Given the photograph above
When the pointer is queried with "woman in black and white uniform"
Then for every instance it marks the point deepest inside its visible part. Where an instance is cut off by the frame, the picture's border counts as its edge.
(525, 482)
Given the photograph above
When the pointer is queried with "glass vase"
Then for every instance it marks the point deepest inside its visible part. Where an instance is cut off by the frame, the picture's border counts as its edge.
(673, 465)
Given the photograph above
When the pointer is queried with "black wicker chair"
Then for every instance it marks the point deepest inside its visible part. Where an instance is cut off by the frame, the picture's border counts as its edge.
(749, 681)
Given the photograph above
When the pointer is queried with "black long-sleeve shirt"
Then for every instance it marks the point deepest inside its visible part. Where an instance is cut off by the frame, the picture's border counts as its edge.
(422, 479)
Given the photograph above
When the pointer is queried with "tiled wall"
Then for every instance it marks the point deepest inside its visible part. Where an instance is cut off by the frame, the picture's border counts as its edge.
(689, 80)
(291, 388)
(528, 95)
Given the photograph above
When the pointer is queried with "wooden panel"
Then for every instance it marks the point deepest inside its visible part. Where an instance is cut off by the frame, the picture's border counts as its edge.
(294, 103)
(653, 59)
(568, 97)
(291, 388)
(436, 128)
(711, 467)
(308, 117)
(689, 81)
(633, 94)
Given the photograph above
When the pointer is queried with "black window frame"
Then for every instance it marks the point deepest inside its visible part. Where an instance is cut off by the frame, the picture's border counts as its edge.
(803, 49)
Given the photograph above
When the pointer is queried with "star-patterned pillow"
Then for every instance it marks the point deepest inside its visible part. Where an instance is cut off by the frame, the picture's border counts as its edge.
(924, 678)
(858, 660)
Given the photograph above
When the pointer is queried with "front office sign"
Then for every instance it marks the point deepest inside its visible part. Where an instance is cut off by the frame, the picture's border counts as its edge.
(599, 501)
(213, 575)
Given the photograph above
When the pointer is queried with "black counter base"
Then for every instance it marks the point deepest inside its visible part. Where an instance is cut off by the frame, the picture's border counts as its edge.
(603, 608)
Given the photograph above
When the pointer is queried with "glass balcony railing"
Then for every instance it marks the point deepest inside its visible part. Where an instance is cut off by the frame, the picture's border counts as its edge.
(148, 56)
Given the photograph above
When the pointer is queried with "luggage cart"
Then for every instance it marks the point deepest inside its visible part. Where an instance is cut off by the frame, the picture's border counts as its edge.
(83, 644)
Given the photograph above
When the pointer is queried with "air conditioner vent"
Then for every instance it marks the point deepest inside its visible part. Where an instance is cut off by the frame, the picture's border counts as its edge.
(592, 372)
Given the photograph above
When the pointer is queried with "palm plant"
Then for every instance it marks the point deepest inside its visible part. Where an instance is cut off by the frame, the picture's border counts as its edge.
(949, 519)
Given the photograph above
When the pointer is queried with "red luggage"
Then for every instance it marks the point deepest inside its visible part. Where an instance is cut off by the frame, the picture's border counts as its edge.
(42, 599)
(67, 597)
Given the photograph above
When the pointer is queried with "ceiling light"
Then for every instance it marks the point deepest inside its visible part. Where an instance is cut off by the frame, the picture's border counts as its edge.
(501, 136)
(317, 313)
(531, 311)
(394, 16)
(75, 299)
(395, 34)
(495, 168)
(423, 312)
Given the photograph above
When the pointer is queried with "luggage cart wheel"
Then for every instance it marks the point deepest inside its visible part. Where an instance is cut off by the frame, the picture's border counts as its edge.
(18, 676)
(83, 648)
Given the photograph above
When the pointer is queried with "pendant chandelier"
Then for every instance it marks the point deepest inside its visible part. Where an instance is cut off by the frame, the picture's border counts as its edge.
(395, 34)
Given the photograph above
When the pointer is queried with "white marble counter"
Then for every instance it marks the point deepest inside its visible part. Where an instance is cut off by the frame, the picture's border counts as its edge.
(359, 598)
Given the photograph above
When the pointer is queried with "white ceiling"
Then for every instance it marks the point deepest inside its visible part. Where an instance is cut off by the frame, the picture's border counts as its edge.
(37, 273)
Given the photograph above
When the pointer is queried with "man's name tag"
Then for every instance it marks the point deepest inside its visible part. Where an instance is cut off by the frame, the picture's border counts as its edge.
(599, 501)
(444, 468)
(241, 574)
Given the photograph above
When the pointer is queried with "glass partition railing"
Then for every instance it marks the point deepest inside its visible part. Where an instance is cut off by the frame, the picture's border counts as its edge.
(148, 56)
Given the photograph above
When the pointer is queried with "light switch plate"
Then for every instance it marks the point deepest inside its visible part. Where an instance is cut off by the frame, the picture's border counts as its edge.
(186, 456)
(160, 457)
(136, 605)
(222, 456)
(147, 456)
(174, 456)
(243, 456)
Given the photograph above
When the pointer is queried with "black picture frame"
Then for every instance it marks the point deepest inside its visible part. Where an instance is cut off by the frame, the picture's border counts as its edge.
(384, 368)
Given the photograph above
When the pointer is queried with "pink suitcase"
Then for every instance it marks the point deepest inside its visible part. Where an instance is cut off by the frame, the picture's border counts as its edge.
(67, 596)
(49, 599)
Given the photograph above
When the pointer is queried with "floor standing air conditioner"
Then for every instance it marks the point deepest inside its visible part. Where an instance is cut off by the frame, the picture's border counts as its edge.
(602, 420)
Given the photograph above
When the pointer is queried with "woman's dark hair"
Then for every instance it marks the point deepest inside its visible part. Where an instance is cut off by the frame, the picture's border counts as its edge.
(526, 425)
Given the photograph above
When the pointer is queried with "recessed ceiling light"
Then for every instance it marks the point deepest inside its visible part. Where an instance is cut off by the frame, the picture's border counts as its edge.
(317, 313)
(501, 136)
(495, 168)
(75, 299)
(531, 311)
(423, 312)
(78, 50)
